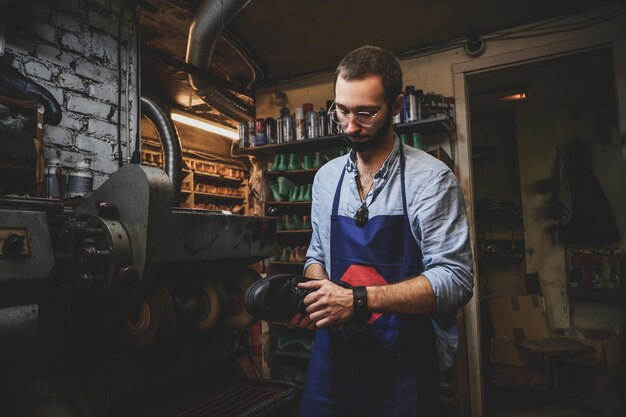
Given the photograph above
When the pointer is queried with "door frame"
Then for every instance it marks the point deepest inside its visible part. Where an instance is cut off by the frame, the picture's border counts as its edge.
(613, 39)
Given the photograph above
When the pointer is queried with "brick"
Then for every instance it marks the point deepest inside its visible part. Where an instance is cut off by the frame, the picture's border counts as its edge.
(103, 46)
(94, 145)
(41, 30)
(74, 122)
(71, 82)
(104, 92)
(99, 179)
(105, 164)
(56, 92)
(85, 105)
(38, 70)
(66, 21)
(19, 44)
(102, 129)
(58, 136)
(95, 72)
(73, 43)
(103, 21)
(55, 55)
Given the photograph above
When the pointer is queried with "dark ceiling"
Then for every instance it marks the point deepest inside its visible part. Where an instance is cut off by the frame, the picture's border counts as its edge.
(292, 38)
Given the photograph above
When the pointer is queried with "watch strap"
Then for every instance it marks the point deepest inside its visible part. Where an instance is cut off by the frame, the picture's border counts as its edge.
(361, 310)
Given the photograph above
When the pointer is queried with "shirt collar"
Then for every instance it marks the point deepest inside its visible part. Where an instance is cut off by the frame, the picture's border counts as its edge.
(384, 168)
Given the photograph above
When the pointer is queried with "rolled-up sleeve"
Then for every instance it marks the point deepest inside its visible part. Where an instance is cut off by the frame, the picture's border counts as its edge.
(441, 221)
(315, 253)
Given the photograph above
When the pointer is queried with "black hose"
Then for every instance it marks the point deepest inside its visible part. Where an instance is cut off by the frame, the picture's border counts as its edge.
(170, 143)
(12, 80)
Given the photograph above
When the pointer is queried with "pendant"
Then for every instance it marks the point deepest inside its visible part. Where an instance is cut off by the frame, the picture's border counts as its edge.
(361, 216)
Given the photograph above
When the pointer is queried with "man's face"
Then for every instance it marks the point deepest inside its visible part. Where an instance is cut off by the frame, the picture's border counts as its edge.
(366, 95)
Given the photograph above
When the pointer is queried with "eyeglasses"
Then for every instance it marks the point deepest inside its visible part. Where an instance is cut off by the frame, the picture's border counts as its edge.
(362, 118)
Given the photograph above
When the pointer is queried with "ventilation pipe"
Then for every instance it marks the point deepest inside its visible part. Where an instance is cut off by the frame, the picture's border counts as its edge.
(210, 19)
(172, 154)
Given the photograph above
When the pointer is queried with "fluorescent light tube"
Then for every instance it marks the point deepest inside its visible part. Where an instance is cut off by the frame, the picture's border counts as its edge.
(204, 125)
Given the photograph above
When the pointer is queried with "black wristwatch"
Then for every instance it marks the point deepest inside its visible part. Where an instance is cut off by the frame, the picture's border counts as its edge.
(360, 303)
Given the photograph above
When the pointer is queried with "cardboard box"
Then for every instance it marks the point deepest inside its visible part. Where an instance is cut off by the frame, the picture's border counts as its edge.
(504, 352)
(607, 345)
(518, 318)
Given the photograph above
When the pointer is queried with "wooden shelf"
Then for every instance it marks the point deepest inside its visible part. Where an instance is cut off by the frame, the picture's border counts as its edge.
(220, 196)
(597, 294)
(281, 263)
(426, 126)
(289, 203)
(302, 174)
(293, 354)
(217, 177)
(304, 145)
(293, 232)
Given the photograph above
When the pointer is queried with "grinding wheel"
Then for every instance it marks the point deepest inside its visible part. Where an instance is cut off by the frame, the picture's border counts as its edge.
(141, 331)
(236, 315)
(212, 310)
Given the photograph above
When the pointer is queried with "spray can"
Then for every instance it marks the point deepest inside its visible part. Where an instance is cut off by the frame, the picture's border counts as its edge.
(270, 130)
(409, 94)
(300, 125)
(261, 139)
(333, 128)
(252, 132)
(80, 180)
(53, 179)
(322, 118)
(419, 100)
(287, 125)
(312, 128)
(243, 135)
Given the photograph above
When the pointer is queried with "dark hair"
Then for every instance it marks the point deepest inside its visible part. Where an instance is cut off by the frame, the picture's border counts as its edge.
(367, 61)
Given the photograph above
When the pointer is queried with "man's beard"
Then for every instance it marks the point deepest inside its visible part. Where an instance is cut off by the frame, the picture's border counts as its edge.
(375, 140)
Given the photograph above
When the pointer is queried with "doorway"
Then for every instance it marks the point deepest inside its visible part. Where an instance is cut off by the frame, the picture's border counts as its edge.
(521, 118)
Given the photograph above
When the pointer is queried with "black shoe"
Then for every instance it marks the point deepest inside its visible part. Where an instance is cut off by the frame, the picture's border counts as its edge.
(277, 298)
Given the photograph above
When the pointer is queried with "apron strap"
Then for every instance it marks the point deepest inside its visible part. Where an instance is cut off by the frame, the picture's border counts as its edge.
(402, 166)
(337, 193)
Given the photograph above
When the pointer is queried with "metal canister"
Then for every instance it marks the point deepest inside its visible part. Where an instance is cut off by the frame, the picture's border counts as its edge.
(244, 140)
(270, 130)
(261, 138)
(252, 133)
(53, 179)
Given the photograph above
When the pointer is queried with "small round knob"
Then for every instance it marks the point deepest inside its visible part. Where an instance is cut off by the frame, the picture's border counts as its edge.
(13, 244)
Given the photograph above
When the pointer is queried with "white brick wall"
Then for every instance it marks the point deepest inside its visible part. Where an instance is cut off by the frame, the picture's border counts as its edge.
(70, 48)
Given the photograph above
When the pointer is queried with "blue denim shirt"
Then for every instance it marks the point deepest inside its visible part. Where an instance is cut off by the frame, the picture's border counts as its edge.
(436, 210)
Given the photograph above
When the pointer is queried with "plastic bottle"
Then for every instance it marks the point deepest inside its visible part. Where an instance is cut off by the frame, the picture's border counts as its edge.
(300, 125)
(53, 178)
(80, 180)
(287, 125)
(312, 124)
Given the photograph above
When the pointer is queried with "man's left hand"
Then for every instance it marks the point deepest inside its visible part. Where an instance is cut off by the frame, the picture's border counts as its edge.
(329, 304)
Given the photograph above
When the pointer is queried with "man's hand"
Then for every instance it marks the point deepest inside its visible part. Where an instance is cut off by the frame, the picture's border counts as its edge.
(328, 305)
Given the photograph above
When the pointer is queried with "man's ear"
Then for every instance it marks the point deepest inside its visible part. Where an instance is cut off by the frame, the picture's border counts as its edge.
(396, 104)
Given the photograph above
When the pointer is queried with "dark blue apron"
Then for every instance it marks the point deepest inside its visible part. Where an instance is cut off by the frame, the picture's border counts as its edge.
(391, 370)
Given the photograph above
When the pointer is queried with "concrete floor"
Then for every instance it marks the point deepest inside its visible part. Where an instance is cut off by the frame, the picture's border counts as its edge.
(606, 404)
